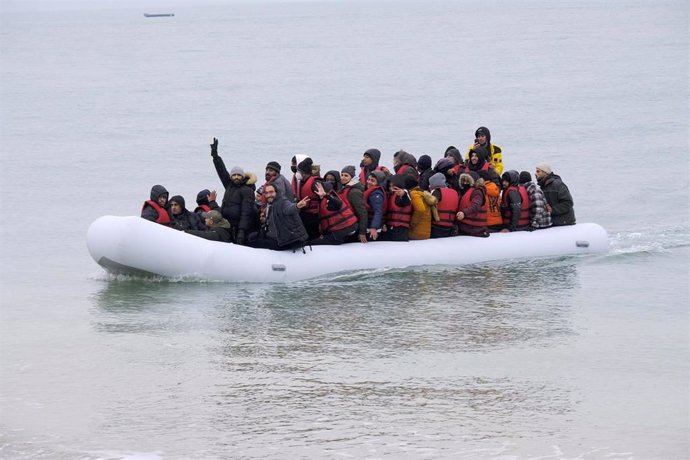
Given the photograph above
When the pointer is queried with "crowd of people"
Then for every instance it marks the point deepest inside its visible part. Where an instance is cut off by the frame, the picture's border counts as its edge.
(417, 200)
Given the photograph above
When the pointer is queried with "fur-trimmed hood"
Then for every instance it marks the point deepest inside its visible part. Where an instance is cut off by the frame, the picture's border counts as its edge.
(472, 179)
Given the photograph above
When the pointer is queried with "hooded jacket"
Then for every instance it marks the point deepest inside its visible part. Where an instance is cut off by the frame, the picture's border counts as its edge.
(559, 198)
(149, 211)
(365, 171)
(185, 220)
(405, 164)
(514, 203)
(495, 153)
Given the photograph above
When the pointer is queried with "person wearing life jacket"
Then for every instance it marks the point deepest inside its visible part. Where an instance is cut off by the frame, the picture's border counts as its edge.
(482, 137)
(181, 218)
(459, 167)
(205, 202)
(446, 207)
(558, 199)
(514, 203)
(398, 211)
(375, 202)
(238, 205)
(425, 171)
(156, 208)
(477, 161)
(369, 164)
(471, 213)
(352, 191)
(539, 217)
(281, 226)
(219, 229)
(404, 164)
(333, 177)
(422, 201)
(337, 221)
(494, 218)
(306, 188)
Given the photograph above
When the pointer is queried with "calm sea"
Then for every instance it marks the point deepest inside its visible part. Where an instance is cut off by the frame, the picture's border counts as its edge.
(565, 358)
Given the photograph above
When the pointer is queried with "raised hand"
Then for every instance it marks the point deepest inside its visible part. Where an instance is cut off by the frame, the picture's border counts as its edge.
(214, 148)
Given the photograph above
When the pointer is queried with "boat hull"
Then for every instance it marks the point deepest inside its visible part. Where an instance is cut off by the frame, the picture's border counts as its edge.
(135, 246)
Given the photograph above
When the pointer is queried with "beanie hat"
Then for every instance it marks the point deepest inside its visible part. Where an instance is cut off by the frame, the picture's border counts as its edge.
(525, 177)
(380, 176)
(544, 167)
(438, 180)
(202, 196)
(398, 180)
(305, 165)
(274, 165)
(424, 162)
(236, 170)
(410, 182)
(349, 169)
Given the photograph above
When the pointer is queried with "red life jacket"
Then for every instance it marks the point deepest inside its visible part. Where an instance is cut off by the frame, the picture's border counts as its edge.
(203, 208)
(367, 193)
(478, 219)
(524, 208)
(363, 175)
(163, 217)
(447, 207)
(398, 216)
(306, 190)
(331, 221)
(344, 193)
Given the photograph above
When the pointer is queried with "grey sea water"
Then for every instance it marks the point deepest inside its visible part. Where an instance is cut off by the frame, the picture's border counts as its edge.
(564, 358)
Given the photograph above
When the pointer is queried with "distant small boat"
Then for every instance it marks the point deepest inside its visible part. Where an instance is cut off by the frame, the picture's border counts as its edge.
(158, 15)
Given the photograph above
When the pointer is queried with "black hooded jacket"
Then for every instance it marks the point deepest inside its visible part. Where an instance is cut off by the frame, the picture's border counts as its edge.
(147, 211)
(514, 204)
(186, 220)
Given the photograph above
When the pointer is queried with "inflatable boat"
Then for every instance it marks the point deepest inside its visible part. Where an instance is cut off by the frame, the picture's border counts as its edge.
(135, 246)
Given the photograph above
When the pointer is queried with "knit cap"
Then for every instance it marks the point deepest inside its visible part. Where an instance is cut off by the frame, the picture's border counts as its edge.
(438, 180)
(214, 215)
(236, 170)
(274, 165)
(349, 169)
(380, 176)
(525, 177)
(305, 165)
(544, 167)
(202, 196)
(424, 162)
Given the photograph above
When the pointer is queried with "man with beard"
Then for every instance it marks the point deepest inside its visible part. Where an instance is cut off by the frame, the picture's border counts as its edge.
(238, 201)
(558, 198)
(281, 226)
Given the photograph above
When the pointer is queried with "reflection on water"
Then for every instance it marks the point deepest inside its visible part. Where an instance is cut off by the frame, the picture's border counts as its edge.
(364, 363)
